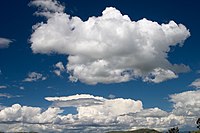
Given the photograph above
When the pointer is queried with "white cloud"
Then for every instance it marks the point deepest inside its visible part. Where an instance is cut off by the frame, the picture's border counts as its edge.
(155, 121)
(116, 114)
(75, 100)
(18, 113)
(4, 42)
(108, 114)
(196, 83)
(47, 7)
(111, 96)
(21, 88)
(100, 54)
(187, 104)
(160, 75)
(34, 76)
(5, 95)
(59, 68)
(3, 87)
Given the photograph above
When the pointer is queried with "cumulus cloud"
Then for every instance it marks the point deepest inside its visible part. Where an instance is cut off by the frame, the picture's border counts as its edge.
(98, 53)
(106, 115)
(33, 118)
(187, 104)
(4, 42)
(59, 68)
(196, 83)
(34, 76)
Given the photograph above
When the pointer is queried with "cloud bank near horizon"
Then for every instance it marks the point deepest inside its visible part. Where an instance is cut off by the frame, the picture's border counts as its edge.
(110, 48)
(100, 114)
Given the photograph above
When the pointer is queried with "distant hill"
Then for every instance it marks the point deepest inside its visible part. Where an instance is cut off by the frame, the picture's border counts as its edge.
(149, 131)
(137, 131)
(195, 132)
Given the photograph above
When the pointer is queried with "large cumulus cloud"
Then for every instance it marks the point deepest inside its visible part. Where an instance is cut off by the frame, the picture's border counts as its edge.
(110, 48)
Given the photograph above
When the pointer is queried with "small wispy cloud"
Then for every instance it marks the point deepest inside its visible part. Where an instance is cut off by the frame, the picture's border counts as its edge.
(21, 88)
(196, 83)
(108, 55)
(4, 42)
(3, 87)
(34, 76)
(5, 95)
(111, 96)
(59, 68)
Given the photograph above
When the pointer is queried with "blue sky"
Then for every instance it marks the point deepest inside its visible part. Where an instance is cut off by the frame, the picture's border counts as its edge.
(23, 56)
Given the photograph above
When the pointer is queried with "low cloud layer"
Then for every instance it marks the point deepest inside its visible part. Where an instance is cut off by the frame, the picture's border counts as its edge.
(4, 42)
(98, 114)
(98, 53)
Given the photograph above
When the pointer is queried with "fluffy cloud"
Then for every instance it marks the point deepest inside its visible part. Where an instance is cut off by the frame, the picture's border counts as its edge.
(196, 83)
(117, 113)
(17, 114)
(98, 53)
(34, 76)
(90, 117)
(59, 68)
(187, 104)
(4, 42)
(47, 7)
(100, 115)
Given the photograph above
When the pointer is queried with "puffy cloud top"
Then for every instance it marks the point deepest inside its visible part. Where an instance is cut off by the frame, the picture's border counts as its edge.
(110, 48)
(187, 103)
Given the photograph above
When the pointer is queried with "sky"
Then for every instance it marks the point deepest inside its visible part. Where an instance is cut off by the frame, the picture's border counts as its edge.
(96, 66)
